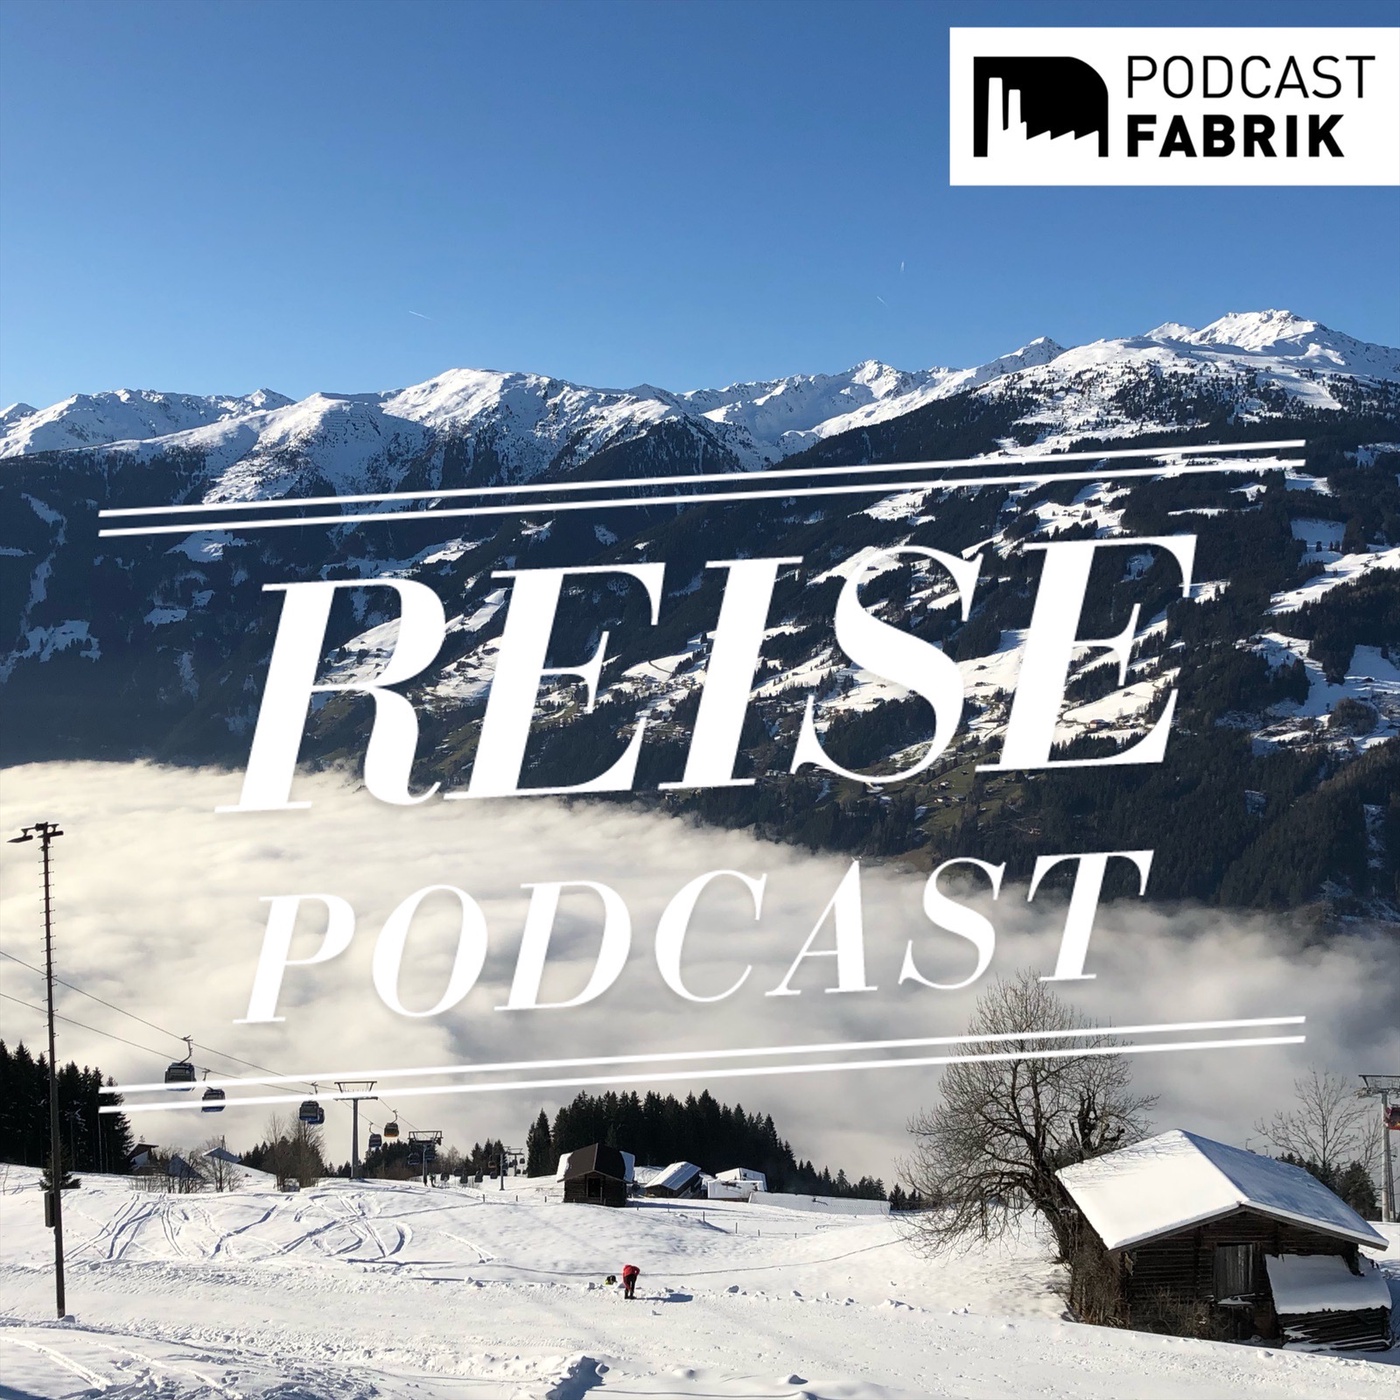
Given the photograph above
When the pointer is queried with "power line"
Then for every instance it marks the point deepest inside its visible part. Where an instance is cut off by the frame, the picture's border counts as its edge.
(83, 1025)
(122, 1011)
(90, 996)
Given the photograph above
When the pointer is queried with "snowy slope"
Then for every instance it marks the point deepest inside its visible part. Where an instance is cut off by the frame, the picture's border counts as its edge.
(531, 423)
(1244, 357)
(122, 415)
(397, 1290)
(782, 416)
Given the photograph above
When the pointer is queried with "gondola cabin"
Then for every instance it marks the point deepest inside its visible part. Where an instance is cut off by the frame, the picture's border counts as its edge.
(1192, 1236)
(375, 1142)
(212, 1101)
(180, 1075)
(311, 1113)
(598, 1175)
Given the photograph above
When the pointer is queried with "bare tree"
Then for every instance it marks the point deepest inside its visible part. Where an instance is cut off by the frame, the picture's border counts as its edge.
(217, 1165)
(1330, 1127)
(295, 1150)
(1004, 1128)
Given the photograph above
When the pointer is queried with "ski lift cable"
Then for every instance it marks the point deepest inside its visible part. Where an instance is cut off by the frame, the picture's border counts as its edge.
(90, 996)
(82, 1025)
(223, 1054)
(209, 1049)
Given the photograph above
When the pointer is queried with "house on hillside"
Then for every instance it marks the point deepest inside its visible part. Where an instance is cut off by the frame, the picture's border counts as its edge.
(597, 1175)
(152, 1170)
(744, 1176)
(736, 1184)
(679, 1179)
(1191, 1236)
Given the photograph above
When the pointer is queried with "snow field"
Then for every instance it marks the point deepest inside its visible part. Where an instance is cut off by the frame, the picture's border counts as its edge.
(397, 1290)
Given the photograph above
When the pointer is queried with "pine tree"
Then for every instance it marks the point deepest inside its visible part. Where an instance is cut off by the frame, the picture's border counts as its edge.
(67, 1181)
(538, 1148)
(92, 1141)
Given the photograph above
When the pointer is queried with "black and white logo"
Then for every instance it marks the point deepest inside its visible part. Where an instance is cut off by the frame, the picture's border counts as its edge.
(1174, 106)
(1059, 96)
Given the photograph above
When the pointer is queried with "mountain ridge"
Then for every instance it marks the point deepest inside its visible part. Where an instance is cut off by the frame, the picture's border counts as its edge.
(536, 423)
(1286, 742)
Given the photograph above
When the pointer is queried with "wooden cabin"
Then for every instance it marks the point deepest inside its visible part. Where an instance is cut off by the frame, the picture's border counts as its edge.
(679, 1179)
(597, 1175)
(1193, 1236)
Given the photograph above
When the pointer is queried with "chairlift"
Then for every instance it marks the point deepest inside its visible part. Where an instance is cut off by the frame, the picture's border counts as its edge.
(311, 1112)
(180, 1074)
(213, 1099)
(391, 1129)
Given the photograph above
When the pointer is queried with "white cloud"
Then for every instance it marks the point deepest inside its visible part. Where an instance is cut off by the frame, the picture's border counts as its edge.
(157, 906)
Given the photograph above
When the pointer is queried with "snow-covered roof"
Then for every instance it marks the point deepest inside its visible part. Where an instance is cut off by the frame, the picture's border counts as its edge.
(1178, 1179)
(597, 1157)
(674, 1177)
(1313, 1283)
(742, 1174)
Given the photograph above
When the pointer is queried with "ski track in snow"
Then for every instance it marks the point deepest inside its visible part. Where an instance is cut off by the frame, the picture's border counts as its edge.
(398, 1291)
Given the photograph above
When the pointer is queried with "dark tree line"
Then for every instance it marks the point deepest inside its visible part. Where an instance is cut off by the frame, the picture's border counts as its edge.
(401, 1160)
(699, 1129)
(1352, 1183)
(900, 1199)
(92, 1142)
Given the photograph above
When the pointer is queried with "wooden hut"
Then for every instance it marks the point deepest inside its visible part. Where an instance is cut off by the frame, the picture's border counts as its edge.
(597, 1175)
(1190, 1235)
(679, 1179)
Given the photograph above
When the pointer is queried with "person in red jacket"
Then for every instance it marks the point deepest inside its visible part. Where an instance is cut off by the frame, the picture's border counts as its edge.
(629, 1279)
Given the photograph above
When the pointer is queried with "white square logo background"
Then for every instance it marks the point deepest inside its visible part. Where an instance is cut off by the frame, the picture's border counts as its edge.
(1234, 91)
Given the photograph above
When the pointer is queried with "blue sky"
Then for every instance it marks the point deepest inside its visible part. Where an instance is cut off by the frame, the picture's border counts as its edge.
(345, 196)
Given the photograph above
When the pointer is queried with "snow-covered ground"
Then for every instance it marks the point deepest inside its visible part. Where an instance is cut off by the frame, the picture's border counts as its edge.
(403, 1291)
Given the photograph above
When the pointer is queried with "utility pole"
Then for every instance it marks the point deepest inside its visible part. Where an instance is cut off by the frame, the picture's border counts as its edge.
(1382, 1086)
(46, 832)
(358, 1091)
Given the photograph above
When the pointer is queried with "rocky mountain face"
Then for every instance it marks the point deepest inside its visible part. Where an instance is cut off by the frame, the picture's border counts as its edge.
(1280, 785)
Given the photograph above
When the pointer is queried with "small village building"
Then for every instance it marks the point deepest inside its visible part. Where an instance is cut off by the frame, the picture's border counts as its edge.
(744, 1176)
(596, 1175)
(1191, 1235)
(725, 1191)
(736, 1184)
(679, 1179)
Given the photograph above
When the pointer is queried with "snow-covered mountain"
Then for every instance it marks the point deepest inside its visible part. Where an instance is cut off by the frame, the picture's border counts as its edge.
(122, 415)
(525, 424)
(113, 647)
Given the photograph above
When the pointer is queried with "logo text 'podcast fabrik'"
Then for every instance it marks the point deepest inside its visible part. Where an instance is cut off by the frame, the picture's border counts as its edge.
(1174, 106)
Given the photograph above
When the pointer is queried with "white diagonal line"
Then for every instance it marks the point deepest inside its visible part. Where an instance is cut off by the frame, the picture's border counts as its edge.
(739, 1072)
(782, 493)
(841, 1047)
(761, 473)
